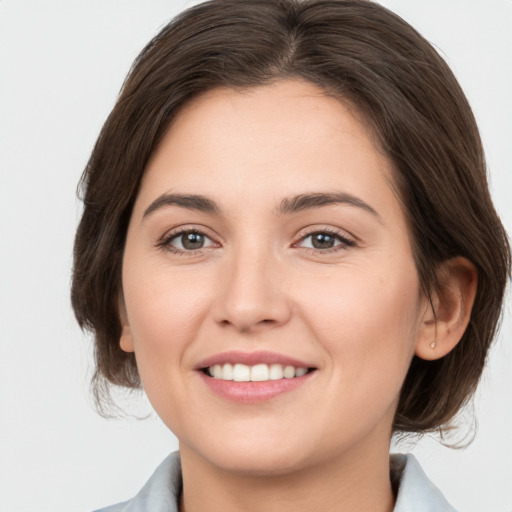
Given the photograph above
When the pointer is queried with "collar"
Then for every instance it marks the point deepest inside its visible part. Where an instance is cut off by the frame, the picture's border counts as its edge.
(416, 493)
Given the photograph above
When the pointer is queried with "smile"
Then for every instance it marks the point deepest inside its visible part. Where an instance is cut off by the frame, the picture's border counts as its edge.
(258, 373)
(253, 377)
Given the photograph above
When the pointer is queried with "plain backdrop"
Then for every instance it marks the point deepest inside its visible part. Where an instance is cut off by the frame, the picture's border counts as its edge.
(62, 63)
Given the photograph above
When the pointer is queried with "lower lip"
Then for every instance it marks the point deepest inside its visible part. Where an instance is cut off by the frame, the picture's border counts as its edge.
(253, 392)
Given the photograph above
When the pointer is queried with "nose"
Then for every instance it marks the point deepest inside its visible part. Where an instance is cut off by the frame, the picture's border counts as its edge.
(251, 295)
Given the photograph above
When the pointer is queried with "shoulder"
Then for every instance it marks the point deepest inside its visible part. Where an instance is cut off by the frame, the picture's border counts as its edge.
(161, 492)
(416, 493)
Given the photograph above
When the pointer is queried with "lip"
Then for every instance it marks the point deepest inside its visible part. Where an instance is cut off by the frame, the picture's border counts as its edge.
(252, 359)
(252, 392)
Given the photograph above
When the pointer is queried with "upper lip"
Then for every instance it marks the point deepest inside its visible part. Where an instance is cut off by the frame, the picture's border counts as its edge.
(251, 359)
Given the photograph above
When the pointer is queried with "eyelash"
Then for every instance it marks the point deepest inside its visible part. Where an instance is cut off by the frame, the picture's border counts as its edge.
(344, 241)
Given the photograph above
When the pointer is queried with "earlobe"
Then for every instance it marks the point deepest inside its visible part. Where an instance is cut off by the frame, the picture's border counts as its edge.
(448, 316)
(125, 341)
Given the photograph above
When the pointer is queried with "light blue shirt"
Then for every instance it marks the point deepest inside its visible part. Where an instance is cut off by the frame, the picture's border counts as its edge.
(416, 493)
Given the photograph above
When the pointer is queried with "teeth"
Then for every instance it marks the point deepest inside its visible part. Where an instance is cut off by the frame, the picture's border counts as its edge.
(257, 373)
(299, 372)
(217, 371)
(289, 372)
(276, 372)
(227, 372)
(241, 373)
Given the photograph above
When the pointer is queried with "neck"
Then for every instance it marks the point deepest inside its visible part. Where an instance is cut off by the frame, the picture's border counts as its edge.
(352, 482)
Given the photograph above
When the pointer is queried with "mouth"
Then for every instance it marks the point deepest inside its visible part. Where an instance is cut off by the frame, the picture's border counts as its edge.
(240, 372)
(251, 377)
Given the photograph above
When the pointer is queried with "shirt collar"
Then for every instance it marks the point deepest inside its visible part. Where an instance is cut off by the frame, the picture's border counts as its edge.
(416, 493)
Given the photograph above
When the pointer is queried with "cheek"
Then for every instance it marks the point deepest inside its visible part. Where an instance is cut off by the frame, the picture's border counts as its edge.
(165, 307)
(165, 311)
(367, 321)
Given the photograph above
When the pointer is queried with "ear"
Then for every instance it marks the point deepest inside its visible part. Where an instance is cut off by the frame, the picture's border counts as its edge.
(125, 341)
(448, 316)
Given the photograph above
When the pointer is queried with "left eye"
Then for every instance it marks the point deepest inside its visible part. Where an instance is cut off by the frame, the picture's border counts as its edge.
(324, 240)
(189, 241)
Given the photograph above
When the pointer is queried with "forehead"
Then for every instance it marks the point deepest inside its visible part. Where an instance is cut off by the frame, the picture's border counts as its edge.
(268, 141)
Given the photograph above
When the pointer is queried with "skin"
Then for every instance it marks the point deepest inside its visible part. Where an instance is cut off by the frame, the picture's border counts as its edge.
(355, 312)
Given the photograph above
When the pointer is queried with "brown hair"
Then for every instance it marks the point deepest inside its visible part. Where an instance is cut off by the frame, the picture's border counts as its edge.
(362, 54)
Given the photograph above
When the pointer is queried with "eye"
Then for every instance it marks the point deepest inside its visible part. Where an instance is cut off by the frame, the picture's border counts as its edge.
(187, 241)
(325, 241)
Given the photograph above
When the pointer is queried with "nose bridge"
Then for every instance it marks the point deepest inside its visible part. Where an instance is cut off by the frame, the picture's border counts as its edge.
(252, 294)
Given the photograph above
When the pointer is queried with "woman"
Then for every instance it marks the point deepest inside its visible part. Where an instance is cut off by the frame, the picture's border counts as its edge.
(288, 240)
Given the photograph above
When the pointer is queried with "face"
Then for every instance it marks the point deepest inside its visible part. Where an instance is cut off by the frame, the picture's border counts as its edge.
(267, 246)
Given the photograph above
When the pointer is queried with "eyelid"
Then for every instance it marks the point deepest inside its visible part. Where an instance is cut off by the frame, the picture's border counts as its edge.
(330, 230)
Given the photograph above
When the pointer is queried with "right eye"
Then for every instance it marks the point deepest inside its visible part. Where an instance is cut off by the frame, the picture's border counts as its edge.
(187, 241)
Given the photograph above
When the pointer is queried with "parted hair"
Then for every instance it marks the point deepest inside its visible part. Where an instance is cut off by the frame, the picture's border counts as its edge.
(368, 58)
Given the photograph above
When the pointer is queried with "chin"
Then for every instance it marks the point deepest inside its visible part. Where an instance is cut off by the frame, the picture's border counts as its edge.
(261, 463)
(259, 458)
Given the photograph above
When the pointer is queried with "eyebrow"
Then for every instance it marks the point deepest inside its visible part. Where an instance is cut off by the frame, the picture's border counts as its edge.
(314, 200)
(190, 201)
(287, 206)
